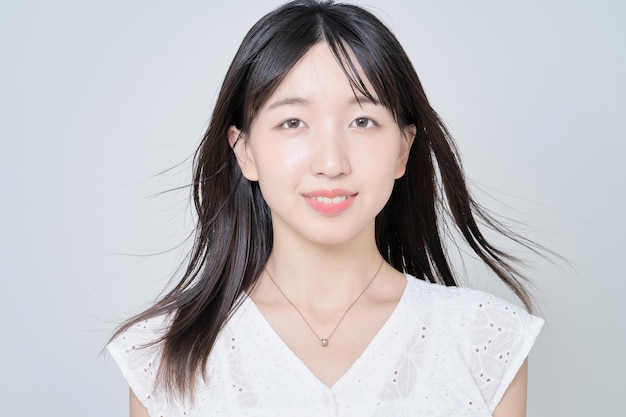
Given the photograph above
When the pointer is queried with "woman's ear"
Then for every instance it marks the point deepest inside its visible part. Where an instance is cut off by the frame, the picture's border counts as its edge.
(408, 135)
(239, 145)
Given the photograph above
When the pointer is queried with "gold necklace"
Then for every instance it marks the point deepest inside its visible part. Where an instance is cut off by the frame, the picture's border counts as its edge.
(324, 340)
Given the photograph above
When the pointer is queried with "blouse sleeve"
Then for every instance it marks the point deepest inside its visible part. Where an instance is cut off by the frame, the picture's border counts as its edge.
(139, 362)
(496, 339)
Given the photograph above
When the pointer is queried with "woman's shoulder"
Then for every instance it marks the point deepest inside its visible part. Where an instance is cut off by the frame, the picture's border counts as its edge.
(137, 352)
(491, 336)
(456, 297)
(141, 334)
(468, 308)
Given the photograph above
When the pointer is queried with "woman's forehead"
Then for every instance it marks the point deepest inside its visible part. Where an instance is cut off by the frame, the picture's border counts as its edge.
(319, 76)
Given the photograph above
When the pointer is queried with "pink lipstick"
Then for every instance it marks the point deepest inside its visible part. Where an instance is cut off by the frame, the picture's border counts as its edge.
(329, 202)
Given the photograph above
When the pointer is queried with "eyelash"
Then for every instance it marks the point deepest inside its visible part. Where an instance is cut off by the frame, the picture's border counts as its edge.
(370, 123)
(287, 124)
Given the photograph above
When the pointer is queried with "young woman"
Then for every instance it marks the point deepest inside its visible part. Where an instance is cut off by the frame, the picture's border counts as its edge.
(319, 283)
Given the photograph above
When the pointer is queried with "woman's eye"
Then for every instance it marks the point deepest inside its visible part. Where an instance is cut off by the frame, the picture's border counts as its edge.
(363, 122)
(292, 124)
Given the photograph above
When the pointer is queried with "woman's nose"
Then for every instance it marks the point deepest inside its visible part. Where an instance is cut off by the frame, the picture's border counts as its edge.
(329, 152)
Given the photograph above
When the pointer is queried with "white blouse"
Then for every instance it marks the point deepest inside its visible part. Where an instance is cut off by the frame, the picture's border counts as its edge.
(444, 351)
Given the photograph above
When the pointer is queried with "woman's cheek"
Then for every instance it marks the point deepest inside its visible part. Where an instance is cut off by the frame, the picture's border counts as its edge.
(292, 155)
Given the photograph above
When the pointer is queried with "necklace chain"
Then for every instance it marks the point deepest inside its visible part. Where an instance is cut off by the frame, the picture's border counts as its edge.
(324, 340)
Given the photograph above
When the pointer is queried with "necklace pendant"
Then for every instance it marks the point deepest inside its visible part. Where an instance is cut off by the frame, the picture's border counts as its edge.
(324, 342)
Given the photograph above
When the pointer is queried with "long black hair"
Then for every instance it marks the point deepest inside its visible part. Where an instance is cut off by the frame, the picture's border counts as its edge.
(233, 236)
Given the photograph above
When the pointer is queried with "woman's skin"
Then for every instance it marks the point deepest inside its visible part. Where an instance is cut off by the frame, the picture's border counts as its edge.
(326, 159)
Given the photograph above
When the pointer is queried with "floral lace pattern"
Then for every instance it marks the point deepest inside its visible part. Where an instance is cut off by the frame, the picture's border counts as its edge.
(444, 351)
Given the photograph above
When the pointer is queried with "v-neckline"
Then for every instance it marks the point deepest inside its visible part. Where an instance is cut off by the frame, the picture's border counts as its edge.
(373, 343)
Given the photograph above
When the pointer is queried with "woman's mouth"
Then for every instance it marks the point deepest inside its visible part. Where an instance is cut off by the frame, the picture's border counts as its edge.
(329, 202)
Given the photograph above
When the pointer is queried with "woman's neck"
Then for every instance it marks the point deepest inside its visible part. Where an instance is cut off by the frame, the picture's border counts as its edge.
(323, 274)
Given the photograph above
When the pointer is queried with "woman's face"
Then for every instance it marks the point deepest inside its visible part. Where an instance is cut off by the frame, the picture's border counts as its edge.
(325, 162)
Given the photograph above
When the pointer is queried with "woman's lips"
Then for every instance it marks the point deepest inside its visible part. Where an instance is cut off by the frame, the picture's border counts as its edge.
(330, 202)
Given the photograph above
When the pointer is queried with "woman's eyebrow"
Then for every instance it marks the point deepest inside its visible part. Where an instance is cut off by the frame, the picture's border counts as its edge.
(289, 101)
(363, 99)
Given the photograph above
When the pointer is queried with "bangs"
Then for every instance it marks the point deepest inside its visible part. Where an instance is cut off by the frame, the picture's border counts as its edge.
(358, 39)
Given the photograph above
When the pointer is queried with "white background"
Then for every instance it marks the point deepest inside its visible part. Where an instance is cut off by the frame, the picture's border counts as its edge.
(98, 97)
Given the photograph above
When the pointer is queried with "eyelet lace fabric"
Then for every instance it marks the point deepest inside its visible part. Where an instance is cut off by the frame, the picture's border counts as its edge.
(444, 351)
